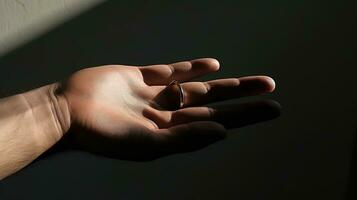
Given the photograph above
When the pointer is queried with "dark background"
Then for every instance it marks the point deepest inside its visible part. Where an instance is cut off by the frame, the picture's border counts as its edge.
(306, 46)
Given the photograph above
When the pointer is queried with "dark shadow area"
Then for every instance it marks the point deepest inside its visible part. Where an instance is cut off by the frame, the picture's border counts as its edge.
(351, 191)
(306, 46)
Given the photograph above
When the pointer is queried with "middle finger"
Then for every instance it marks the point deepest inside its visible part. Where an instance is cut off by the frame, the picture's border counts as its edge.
(200, 93)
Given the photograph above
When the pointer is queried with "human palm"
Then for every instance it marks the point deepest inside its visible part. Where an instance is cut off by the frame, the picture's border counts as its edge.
(131, 112)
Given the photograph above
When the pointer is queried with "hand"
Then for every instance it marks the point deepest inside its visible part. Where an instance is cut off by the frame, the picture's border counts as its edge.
(128, 111)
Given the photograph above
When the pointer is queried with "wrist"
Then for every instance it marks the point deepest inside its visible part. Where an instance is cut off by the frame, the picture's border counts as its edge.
(50, 111)
(30, 123)
(60, 106)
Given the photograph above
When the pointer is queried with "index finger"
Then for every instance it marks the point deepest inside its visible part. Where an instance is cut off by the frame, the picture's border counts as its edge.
(180, 71)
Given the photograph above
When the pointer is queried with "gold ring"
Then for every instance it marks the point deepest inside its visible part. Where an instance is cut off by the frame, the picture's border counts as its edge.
(174, 82)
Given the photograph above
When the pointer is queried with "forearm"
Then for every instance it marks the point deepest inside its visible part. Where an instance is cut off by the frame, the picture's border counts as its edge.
(30, 123)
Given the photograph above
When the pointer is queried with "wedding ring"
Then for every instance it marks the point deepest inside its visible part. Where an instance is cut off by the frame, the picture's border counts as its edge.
(174, 82)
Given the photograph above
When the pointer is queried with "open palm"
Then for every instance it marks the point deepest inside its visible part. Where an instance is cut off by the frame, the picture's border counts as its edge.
(131, 112)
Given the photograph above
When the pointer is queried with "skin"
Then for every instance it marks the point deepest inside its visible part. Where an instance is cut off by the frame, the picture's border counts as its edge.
(129, 112)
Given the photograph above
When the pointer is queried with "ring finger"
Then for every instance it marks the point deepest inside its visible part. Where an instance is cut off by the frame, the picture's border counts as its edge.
(231, 116)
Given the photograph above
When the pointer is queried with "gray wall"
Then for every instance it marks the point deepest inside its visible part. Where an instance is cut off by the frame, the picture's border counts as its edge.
(23, 20)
